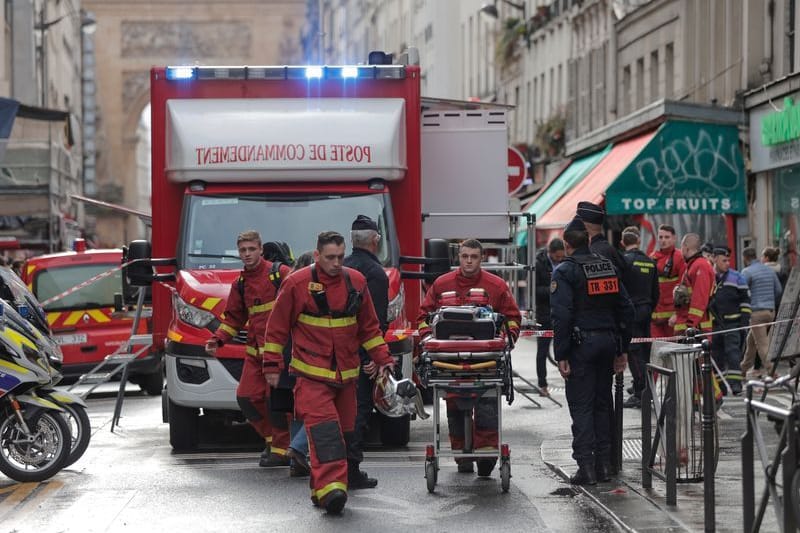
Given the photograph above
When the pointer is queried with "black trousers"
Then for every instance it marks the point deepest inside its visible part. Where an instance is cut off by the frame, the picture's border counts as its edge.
(355, 442)
(639, 353)
(589, 398)
(542, 349)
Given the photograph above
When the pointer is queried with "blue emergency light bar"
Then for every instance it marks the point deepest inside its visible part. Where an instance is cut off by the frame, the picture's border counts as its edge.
(180, 73)
(310, 72)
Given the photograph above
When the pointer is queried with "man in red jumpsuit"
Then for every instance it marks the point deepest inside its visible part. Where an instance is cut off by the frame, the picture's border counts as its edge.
(249, 303)
(670, 266)
(693, 293)
(328, 311)
(469, 276)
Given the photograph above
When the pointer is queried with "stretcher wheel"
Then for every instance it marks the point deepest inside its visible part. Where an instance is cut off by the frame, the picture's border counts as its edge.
(505, 475)
(430, 475)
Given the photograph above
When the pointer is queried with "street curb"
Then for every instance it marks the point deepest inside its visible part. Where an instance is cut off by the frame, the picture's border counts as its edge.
(674, 522)
(560, 473)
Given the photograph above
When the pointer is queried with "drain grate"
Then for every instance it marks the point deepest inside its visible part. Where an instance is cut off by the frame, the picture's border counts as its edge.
(631, 449)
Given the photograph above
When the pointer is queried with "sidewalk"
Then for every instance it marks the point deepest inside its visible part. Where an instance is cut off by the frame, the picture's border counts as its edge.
(639, 509)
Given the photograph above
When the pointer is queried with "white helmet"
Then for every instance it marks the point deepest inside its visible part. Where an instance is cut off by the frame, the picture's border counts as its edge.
(395, 398)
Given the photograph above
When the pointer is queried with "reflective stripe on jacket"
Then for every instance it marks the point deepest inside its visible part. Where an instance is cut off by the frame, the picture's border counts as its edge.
(252, 312)
(323, 347)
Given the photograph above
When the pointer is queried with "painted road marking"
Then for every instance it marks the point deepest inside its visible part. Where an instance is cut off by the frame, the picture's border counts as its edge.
(17, 494)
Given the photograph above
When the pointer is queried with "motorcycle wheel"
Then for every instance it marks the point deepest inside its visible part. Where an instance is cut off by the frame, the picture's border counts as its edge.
(43, 455)
(80, 430)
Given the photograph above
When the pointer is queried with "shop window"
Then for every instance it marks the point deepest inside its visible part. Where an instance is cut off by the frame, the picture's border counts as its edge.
(787, 206)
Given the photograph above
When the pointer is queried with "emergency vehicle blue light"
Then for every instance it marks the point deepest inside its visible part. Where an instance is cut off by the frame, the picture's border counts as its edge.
(313, 72)
(180, 73)
(349, 72)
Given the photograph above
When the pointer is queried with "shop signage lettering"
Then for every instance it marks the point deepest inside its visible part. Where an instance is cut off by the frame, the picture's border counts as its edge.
(336, 153)
(781, 126)
(794, 202)
(675, 205)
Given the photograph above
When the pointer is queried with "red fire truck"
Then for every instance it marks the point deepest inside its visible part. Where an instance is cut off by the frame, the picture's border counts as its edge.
(293, 151)
(89, 323)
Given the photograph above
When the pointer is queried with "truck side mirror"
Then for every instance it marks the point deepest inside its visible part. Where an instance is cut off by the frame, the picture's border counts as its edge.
(139, 274)
(439, 251)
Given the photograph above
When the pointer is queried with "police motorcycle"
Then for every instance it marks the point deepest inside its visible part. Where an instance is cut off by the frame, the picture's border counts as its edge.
(34, 436)
(14, 291)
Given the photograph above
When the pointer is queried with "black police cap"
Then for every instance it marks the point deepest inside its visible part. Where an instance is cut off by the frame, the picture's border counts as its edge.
(592, 213)
(576, 224)
(722, 250)
(364, 222)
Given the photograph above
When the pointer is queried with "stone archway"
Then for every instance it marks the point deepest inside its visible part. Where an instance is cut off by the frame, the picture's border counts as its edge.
(134, 35)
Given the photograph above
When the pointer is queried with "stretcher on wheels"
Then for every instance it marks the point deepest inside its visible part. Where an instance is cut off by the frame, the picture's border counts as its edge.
(467, 356)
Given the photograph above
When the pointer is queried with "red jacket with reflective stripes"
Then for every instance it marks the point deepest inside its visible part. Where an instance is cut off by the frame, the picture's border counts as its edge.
(259, 297)
(496, 288)
(667, 282)
(700, 280)
(323, 347)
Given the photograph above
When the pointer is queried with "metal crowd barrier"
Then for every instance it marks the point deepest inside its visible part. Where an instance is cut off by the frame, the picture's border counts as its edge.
(679, 394)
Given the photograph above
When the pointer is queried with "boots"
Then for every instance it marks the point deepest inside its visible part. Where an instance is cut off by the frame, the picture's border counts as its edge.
(603, 471)
(334, 501)
(485, 467)
(358, 479)
(273, 460)
(584, 476)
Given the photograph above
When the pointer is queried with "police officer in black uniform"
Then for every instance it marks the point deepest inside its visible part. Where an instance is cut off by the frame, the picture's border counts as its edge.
(590, 311)
(365, 238)
(641, 282)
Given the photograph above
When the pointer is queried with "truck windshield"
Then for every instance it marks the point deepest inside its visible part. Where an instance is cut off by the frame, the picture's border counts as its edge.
(211, 224)
(53, 281)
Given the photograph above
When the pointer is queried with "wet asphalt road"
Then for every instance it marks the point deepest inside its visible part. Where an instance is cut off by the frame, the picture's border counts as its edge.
(130, 480)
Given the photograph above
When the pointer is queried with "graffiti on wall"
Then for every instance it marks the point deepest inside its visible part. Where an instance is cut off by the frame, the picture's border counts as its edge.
(686, 168)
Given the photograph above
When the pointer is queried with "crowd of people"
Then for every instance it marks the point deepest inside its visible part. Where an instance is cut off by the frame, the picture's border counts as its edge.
(315, 346)
(683, 287)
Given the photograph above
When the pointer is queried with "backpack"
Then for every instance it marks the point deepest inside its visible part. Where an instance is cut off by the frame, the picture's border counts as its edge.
(280, 254)
(277, 251)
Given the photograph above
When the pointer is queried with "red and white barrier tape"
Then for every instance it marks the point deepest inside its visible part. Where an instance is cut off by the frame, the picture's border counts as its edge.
(88, 282)
(548, 333)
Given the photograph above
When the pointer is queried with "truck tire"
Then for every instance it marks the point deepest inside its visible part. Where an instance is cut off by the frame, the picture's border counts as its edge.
(183, 427)
(395, 431)
(152, 384)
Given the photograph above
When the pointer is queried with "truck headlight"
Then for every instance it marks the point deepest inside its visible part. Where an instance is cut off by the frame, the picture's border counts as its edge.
(396, 305)
(190, 314)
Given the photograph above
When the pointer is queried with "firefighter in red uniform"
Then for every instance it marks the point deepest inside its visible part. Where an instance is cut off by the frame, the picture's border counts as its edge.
(328, 311)
(250, 301)
(470, 276)
(670, 266)
(693, 294)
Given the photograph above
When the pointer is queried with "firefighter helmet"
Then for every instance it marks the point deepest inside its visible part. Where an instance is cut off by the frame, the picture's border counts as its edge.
(396, 398)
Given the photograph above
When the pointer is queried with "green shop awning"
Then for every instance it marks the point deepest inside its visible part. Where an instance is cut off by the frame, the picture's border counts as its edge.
(687, 167)
(569, 177)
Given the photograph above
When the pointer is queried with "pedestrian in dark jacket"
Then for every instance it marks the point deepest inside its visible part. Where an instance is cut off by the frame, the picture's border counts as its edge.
(641, 282)
(730, 309)
(365, 238)
(546, 260)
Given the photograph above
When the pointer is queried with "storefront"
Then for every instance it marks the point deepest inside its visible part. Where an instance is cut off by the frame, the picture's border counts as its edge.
(678, 164)
(774, 112)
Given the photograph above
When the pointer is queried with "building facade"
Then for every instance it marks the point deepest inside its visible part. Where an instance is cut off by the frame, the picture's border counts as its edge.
(42, 158)
(139, 34)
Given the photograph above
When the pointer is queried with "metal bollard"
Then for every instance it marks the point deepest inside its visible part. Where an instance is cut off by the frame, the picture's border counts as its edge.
(709, 414)
(619, 385)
